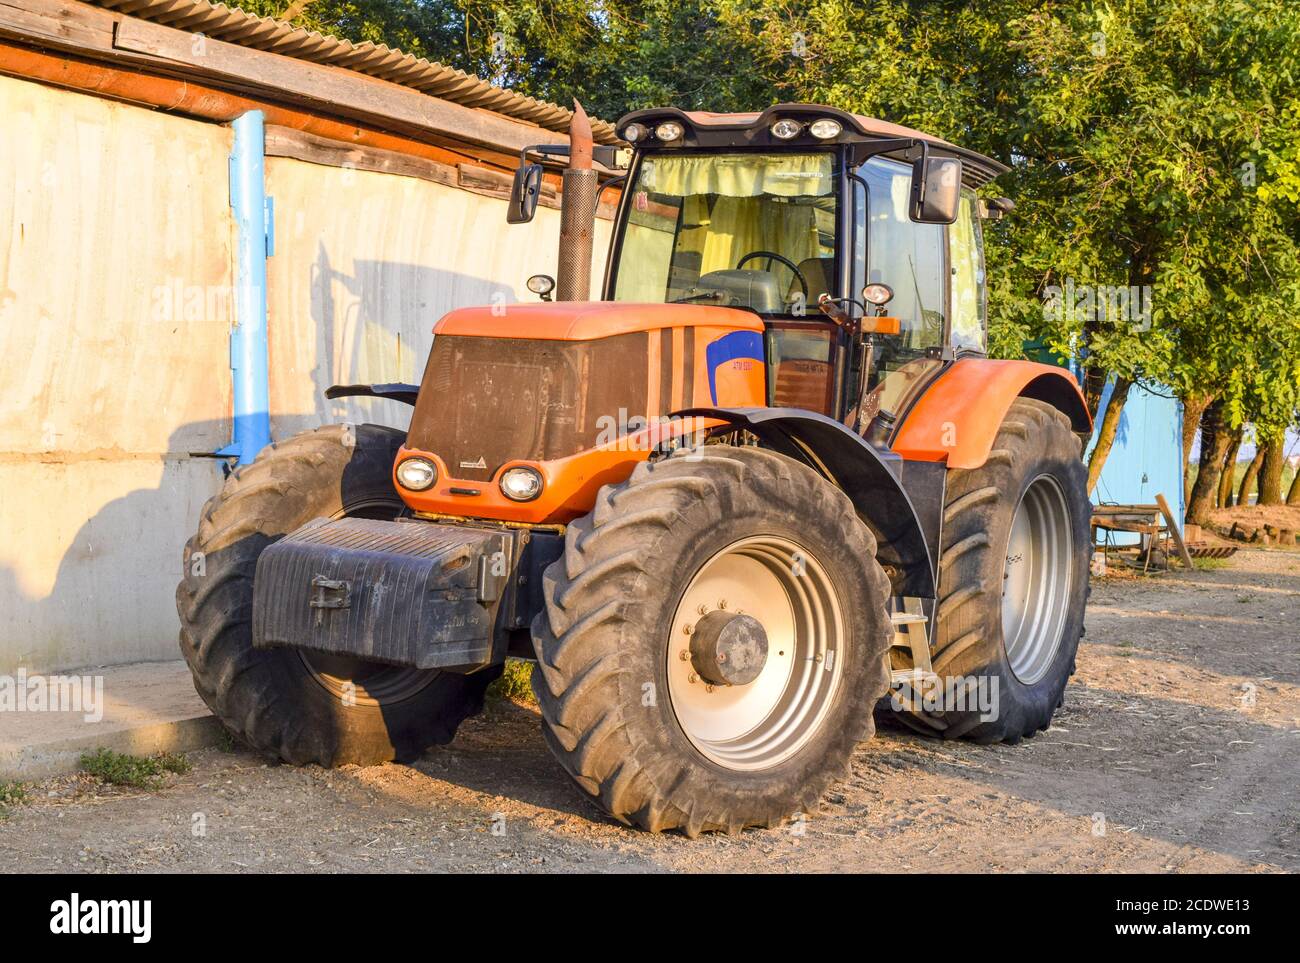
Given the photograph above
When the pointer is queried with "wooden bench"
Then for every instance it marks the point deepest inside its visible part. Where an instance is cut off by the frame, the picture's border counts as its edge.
(1154, 523)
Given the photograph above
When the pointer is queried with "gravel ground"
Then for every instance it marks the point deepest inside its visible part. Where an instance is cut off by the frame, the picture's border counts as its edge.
(1178, 749)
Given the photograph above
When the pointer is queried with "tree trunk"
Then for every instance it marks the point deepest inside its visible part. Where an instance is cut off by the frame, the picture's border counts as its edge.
(1230, 469)
(1193, 407)
(1229, 472)
(1293, 496)
(1270, 473)
(1094, 383)
(1215, 438)
(1248, 479)
(1106, 435)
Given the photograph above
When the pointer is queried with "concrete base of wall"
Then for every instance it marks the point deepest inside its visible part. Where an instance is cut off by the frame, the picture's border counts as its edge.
(147, 708)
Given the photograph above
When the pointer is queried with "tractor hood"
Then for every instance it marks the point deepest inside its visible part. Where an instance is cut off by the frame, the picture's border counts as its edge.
(588, 320)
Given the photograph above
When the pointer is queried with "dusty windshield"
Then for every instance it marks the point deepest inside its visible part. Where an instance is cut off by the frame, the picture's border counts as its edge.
(746, 230)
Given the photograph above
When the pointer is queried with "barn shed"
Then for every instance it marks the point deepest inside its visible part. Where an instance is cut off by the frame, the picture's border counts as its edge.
(209, 218)
(1146, 458)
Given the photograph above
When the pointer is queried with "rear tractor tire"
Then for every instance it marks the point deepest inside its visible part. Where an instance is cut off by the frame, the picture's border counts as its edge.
(301, 707)
(1013, 581)
(713, 642)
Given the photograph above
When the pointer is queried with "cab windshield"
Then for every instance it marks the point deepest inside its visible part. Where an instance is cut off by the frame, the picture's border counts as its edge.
(742, 230)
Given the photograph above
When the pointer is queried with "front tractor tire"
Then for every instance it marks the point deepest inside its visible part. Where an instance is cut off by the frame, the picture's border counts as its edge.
(302, 707)
(1013, 582)
(713, 642)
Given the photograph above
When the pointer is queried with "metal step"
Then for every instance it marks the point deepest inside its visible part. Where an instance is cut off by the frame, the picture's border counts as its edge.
(912, 677)
(910, 634)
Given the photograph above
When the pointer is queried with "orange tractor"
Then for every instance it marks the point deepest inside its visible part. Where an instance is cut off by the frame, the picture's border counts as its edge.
(768, 485)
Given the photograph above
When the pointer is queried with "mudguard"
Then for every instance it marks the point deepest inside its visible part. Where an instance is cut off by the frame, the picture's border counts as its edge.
(860, 471)
(957, 418)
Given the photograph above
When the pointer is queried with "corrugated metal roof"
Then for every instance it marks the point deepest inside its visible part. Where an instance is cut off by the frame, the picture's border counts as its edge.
(230, 24)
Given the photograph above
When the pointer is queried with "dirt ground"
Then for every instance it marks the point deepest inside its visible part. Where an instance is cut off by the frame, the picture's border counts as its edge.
(1178, 749)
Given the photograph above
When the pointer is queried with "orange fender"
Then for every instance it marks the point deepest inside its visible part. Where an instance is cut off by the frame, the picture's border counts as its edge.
(958, 416)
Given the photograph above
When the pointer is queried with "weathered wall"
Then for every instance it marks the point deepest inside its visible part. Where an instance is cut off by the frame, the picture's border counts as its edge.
(115, 310)
(110, 216)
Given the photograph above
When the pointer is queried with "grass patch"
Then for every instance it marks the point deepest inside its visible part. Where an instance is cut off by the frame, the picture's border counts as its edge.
(11, 794)
(514, 683)
(141, 772)
(226, 741)
(1209, 564)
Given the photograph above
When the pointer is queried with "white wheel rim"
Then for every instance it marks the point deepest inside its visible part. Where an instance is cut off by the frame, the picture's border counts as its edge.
(764, 723)
(1036, 579)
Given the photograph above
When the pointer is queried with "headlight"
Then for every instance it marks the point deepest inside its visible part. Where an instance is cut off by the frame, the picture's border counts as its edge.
(521, 484)
(825, 128)
(878, 294)
(786, 129)
(634, 132)
(416, 474)
(669, 131)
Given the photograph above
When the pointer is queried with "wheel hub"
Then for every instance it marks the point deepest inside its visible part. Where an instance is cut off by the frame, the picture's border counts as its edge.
(759, 680)
(728, 649)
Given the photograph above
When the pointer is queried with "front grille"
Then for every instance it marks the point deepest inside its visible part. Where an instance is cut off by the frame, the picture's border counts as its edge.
(486, 401)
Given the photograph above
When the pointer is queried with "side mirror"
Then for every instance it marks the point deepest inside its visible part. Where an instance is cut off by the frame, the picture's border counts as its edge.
(524, 194)
(936, 189)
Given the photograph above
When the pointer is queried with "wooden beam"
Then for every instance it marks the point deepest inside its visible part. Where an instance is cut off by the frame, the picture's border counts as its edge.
(1174, 533)
(336, 89)
(299, 145)
(84, 30)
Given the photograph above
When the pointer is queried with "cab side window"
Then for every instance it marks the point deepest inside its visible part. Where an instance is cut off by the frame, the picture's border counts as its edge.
(966, 253)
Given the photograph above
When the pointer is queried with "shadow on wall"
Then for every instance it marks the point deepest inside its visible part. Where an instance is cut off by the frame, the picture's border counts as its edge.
(111, 592)
(376, 325)
(110, 598)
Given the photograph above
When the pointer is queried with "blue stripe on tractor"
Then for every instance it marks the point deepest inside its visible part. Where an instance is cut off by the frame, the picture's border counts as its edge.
(731, 347)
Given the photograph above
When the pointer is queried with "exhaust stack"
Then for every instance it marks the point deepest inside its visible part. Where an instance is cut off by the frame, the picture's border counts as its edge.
(579, 187)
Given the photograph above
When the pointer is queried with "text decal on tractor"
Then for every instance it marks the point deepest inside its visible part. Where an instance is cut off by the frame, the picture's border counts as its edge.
(767, 479)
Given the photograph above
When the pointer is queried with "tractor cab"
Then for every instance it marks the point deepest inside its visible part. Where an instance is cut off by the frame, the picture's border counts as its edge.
(792, 214)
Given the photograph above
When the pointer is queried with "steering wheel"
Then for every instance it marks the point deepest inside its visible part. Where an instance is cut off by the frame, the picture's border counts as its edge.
(773, 256)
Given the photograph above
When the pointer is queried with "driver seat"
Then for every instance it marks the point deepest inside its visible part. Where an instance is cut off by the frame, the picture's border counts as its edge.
(818, 272)
(749, 288)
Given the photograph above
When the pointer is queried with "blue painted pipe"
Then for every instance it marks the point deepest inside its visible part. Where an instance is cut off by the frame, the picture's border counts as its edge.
(248, 339)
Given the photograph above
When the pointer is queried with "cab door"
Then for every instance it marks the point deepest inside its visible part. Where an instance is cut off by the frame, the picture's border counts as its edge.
(913, 260)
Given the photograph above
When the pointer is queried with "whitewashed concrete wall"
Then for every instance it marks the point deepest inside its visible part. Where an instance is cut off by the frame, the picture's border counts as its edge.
(116, 266)
(113, 220)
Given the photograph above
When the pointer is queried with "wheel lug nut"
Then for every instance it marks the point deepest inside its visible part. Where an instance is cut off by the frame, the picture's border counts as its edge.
(708, 688)
(722, 603)
(684, 655)
(692, 678)
(688, 628)
(703, 609)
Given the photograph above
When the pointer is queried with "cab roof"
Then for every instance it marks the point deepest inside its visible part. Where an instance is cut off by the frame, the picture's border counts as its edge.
(752, 129)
